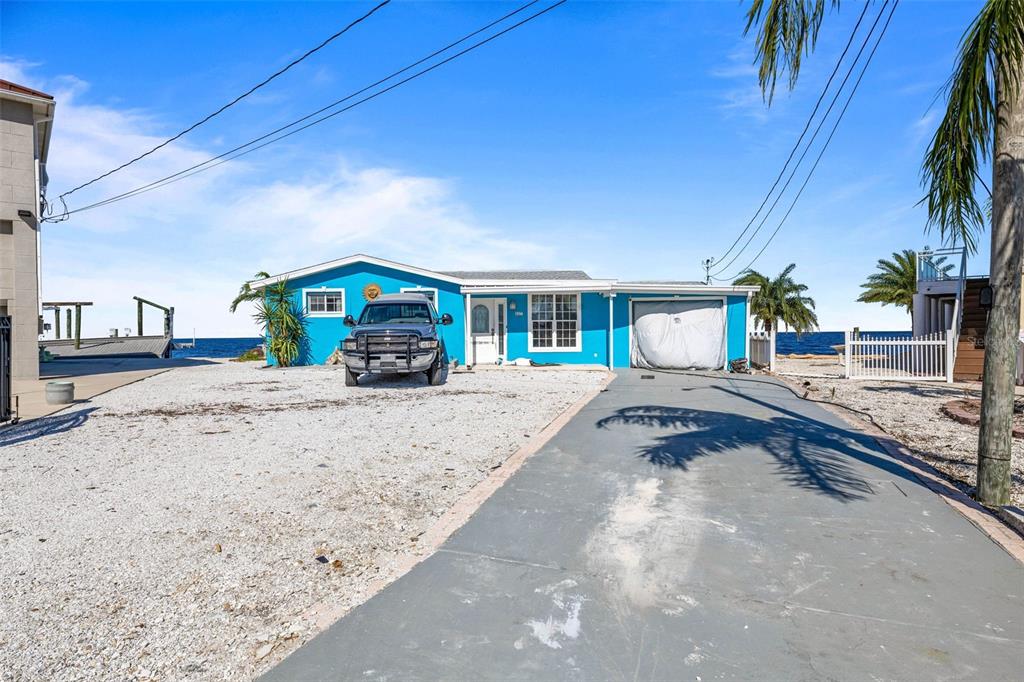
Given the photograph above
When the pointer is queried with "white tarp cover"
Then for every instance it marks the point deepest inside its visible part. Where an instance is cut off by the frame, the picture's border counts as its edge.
(678, 335)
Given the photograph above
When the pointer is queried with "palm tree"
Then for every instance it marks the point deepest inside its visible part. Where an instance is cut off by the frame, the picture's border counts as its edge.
(984, 120)
(246, 293)
(895, 283)
(282, 322)
(780, 300)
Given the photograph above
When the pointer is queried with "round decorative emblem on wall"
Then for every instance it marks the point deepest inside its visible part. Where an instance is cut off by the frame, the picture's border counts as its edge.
(371, 291)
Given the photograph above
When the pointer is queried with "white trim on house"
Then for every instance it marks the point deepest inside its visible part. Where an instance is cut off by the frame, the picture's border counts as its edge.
(322, 290)
(604, 286)
(653, 299)
(554, 331)
(500, 340)
(420, 290)
(750, 328)
(546, 284)
(703, 289)
(349, 260)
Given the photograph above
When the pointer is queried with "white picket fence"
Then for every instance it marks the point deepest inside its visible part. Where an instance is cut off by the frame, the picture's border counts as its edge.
(762, 350)
(921, 358)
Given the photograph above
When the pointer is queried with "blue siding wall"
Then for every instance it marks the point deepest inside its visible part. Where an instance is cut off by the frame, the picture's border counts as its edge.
(326, 333)
(594, 315)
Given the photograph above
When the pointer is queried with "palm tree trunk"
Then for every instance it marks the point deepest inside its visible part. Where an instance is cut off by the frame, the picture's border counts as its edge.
(995, 437)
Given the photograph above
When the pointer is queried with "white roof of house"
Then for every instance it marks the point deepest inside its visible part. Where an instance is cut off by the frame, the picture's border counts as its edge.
(510, 281)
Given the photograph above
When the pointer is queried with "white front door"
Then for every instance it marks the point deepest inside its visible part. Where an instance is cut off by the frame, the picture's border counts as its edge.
(487, 329)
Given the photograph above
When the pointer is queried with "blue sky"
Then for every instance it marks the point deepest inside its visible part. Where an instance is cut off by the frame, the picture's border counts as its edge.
(626, 139)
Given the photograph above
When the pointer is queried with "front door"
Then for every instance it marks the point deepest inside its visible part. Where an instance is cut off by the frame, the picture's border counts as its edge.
(487, 329)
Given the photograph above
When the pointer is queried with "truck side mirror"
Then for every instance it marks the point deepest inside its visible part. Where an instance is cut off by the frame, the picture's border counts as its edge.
(350, 321)
(446, 319)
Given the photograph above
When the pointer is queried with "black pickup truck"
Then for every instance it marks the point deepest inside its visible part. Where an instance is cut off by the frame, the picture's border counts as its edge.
(396, 334)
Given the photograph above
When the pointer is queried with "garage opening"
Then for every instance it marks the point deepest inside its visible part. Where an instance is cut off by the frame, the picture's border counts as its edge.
(678, 334)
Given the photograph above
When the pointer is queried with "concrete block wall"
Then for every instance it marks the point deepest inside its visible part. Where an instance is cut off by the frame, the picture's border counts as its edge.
(19, 295)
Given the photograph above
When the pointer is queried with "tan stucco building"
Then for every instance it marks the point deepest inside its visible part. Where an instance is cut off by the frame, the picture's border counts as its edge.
(26, 120)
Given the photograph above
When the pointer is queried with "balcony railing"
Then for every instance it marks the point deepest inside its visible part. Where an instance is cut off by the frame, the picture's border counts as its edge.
(941, 264)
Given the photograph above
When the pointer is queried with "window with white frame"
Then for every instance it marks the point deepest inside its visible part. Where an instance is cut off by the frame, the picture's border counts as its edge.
(325, 302)
(554, 322)
(431, 294)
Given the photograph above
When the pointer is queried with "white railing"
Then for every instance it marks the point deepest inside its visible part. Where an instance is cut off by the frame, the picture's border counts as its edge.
(762, 350)
(933, 265)
(921, 358)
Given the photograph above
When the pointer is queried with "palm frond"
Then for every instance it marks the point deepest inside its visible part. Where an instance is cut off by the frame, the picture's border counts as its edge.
(246, 293)
(780, 300)
(787, 31)
(895, 281)
(991, 48)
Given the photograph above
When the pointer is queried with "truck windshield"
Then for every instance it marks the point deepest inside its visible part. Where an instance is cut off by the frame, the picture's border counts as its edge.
(396, 313)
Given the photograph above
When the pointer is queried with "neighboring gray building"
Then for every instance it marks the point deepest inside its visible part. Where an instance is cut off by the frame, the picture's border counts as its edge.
(26, 119)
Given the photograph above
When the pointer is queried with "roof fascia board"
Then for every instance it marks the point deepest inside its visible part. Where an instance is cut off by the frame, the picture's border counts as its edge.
(533, 288)
(627, 288)
(535, 282)
(348, 260)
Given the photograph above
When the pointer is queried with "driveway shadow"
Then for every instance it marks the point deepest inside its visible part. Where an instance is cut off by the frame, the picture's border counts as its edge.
(809, 454)
(44, 426)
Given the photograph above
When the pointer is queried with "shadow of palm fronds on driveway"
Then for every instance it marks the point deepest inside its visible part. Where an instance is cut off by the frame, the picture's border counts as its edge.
(809, 454)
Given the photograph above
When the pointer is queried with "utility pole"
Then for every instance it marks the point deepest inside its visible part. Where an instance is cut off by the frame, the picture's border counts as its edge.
(707, 264)
(1006, 261)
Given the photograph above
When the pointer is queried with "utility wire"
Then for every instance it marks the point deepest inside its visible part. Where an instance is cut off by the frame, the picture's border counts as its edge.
(231, 103)
(807, 126)
(823, 148)
(230, 154)
(835, 98)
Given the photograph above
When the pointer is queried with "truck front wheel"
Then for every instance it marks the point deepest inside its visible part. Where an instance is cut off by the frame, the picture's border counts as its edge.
(437, 373)
(351, 378)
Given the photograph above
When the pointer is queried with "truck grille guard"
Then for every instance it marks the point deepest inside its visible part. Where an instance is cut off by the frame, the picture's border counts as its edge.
(402, 346)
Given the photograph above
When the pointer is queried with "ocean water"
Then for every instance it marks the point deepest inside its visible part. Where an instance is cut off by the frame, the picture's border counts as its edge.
(814, 343)
(820, 343)
(216, 348)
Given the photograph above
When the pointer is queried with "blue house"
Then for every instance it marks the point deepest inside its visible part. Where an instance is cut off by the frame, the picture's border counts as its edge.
(549, 316)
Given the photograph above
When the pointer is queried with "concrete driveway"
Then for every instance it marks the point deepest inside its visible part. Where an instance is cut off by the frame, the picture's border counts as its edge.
(693, 527)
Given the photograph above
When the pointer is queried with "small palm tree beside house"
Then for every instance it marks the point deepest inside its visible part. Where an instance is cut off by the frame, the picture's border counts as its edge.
(246, 294)
(895, 281)
(780, 300)
(282, 322)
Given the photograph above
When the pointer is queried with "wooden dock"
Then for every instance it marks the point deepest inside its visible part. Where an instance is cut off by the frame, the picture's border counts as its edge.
(111, 347)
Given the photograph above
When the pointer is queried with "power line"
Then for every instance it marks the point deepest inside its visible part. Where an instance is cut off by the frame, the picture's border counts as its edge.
(230, 154)
(824, 147)
(835, 98)
(807, 126)
(231, 103)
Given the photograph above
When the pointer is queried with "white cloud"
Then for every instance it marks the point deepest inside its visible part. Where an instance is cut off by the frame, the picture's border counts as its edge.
(743, 94)
(377, 210)
(19, 71)
(192, 243)
(924, 128)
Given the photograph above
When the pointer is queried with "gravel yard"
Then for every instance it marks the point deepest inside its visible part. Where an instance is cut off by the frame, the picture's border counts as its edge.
(910, 412)
(183, 527)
